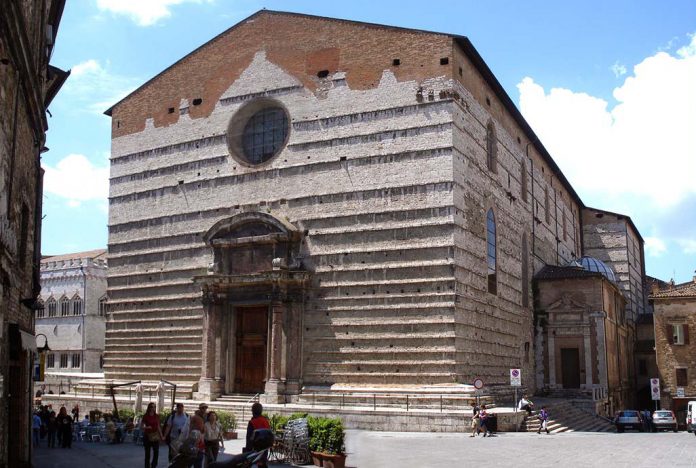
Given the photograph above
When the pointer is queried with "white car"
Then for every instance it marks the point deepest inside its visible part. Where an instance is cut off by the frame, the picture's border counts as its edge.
(664, 419)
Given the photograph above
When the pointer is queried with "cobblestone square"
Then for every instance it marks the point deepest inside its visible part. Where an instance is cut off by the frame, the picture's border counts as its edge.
(367, 449)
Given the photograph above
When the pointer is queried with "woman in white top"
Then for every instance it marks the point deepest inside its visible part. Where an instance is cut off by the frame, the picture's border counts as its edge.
(213, 437)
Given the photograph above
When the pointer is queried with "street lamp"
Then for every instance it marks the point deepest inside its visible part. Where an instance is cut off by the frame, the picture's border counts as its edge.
(44, 348)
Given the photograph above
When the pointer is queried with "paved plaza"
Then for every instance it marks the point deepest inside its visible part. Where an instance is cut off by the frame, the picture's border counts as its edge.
(368, 449)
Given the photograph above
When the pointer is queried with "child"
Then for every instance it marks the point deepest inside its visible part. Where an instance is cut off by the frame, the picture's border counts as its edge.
(544, 418)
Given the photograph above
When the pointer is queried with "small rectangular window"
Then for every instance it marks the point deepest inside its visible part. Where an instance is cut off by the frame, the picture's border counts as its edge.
(63, 361)
(680, 334)
(51, 361)
(682, 378)
(75, 361)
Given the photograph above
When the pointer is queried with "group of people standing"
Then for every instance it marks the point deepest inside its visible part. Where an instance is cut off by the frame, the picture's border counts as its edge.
(481, 420)
(198, 437)
(55, 427)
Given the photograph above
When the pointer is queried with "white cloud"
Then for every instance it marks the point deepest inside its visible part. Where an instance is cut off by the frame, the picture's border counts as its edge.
(77, 180)
(688, 246)
(92, 87)
(654, 246)
(644, 148)
(142, 12)
(618, 69)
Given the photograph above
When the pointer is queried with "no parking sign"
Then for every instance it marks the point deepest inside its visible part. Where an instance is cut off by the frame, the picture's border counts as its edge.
(516, 377)
(655, 389)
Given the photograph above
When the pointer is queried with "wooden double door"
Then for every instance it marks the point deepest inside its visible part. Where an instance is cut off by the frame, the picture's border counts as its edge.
(251, 338)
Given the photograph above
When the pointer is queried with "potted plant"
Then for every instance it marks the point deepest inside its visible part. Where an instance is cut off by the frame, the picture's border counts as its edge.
(326, 442)
(228, 423)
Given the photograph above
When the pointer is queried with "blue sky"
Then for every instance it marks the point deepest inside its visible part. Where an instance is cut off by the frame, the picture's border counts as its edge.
(610, 88)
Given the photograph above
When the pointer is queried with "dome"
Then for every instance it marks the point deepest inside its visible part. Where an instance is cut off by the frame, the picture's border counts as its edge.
(592, 264)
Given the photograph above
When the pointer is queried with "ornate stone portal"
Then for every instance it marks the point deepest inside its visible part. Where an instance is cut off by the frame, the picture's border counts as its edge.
(253, 297)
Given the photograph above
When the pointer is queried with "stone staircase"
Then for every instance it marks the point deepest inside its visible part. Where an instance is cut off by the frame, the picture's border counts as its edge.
(565, 416)
(393, 399)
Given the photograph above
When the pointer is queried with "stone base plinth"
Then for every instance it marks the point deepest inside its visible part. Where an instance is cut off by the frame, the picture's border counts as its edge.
(209, 389)
(274, 392)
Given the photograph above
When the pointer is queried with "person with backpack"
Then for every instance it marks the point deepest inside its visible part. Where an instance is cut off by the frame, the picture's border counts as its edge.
(257, 421)
(174, 426)
(544, 418)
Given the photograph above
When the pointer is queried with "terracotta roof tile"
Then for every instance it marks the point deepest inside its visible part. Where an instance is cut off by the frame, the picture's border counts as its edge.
(678, 290)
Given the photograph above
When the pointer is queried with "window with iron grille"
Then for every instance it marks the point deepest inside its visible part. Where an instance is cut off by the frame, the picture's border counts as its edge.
(63, 361)
(64, 307)
(75, 360)
(51, 360)
(264, 134)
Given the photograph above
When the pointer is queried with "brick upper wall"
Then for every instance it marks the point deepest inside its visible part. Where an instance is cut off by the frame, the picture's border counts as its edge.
(300, 45)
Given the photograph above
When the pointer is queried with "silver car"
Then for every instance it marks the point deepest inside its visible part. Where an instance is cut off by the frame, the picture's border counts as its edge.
(629, 419)
(664, 419)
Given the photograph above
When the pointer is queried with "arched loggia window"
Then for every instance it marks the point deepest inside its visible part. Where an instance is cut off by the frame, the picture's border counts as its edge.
(491, 253)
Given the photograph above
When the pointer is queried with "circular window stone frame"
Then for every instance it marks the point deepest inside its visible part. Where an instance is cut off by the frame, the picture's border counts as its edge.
(238, 122)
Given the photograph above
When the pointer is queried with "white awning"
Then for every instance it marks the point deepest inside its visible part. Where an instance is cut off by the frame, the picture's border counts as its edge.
(28, 341)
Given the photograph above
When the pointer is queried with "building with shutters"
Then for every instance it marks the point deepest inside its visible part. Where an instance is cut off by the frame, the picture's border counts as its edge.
(293, 207)
(675, 320)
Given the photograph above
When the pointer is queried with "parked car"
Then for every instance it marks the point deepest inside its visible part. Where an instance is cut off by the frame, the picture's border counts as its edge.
(691, 417)
(664, 419)
(628, 419)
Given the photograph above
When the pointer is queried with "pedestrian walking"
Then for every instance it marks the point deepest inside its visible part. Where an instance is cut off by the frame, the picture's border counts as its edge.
(65, 426)
(152, 435)
(475, 425)
(483, 417)
(52, 428)
(544, 418)
(174, 426)
(213, 438)
(36, 428)
(202, 411)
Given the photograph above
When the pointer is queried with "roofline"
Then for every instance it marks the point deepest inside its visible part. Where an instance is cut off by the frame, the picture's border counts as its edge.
(488, 75)
(630, 221)
(275, 12)
(671, 298)
(462, 41)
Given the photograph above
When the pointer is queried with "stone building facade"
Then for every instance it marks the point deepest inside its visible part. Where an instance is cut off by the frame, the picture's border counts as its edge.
(27, 85)
(675, 320)
(292, 205)
(73, 313)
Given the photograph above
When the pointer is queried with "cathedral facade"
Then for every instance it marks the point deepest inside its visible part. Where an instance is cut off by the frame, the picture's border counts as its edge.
(311, 202)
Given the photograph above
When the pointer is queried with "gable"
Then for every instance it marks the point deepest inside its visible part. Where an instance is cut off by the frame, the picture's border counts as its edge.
(301, 46)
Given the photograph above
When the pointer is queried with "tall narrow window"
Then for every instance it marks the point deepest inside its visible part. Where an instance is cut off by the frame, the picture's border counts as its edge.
(51, 361)
(523, 179)
(491, 148)
(547, 205)
(77, 305)
(63, 361)
(64, 307)
(41, 311)
(51, 303)
(565, 227)
(525, 272)
(102, 306)
(682, 378)
(491, 253)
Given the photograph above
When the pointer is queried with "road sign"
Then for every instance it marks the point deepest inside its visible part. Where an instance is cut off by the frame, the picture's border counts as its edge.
(478, 384)
(655, 389)
(516, 377)
(680, 392)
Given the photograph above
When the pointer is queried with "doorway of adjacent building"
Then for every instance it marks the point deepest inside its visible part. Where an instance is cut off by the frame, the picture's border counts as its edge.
(570, 367)
(251, 338)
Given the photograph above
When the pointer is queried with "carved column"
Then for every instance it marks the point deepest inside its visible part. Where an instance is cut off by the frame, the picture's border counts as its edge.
(275, 387)
(210, 383)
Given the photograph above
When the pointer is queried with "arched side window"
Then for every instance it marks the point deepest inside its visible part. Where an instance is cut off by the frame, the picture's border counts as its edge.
(51, 305)
(525, 272)
(77, 304)
(491, 253)
(41, 311)
(64, 307)
(523, 179)
(491, 148)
